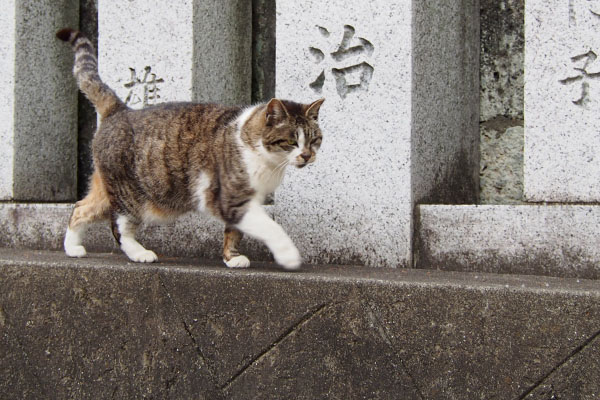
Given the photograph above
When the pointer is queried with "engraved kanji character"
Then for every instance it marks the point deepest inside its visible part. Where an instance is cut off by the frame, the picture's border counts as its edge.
(148, 84)
(583, 76)
(347, 48)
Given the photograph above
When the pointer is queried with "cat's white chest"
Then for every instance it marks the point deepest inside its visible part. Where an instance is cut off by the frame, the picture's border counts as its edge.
(265, 177)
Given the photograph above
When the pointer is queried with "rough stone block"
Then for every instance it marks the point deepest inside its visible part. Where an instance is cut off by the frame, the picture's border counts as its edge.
(501, 176)
(192, 50)
(501, 96)
(38, 102)
(562, 96)
(400, 120)
(520, 239)
(502, 59)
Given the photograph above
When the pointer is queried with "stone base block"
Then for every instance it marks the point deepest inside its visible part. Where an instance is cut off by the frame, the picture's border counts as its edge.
(522, 239)
(43, 226)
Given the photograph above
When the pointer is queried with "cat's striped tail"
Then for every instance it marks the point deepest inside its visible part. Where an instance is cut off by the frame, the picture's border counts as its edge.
(85, 70)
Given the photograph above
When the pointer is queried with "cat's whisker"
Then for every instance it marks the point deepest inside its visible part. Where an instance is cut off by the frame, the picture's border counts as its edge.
(282, 168)
(279, 169)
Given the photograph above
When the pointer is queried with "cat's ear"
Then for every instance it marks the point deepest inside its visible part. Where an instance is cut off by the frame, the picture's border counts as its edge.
(276, 112)
(312, 112)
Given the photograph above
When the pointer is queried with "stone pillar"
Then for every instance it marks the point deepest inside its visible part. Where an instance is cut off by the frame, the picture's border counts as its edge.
(38, 102)
(562, 101)
(400, 120)
(192, 50)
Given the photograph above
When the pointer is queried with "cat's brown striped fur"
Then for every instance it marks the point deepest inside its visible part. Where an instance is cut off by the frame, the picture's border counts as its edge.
(157, 163)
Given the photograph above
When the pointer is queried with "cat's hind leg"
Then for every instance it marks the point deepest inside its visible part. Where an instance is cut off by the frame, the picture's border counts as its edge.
(94, 207)
(231, 256)
(124, 228)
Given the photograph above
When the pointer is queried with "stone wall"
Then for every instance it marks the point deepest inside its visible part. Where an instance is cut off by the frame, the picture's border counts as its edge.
(501, 111)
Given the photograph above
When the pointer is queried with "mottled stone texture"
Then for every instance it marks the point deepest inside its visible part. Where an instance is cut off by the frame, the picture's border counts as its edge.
(501, 146)
(399, 120)
(39, 129)
(222, 51)
(515, 239)
(106, 328)
(562, 96)
(502, 54)
(87, 120)
(263, 50)
(186, 51)
(445, 103)
(501, 97)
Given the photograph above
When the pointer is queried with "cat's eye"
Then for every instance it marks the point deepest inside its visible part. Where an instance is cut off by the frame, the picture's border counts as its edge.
(285, 142)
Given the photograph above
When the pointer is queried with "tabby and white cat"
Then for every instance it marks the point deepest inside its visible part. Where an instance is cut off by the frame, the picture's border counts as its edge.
(154, 164)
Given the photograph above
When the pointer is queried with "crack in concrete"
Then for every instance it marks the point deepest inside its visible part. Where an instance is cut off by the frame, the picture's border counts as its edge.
(295, 327)
(194, 341)
(568, 358)
(376, 320)
(114, 392)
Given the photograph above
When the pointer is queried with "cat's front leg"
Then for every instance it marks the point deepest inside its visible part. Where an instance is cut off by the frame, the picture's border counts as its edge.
(258, 224)
(231, 256)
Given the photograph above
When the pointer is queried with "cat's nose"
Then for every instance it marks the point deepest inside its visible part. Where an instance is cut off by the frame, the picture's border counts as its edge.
(305, 156)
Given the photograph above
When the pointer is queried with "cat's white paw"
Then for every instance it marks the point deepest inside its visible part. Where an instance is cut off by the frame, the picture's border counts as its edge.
(72, 243)
(238, 262)
(146, 256)
(289, 257)
(75, 251)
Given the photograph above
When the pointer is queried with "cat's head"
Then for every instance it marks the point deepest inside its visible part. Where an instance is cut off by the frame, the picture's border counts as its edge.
(291, 131)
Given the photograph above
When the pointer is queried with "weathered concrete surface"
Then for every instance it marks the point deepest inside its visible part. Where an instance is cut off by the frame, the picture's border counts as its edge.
(577, 375)
(103, 327)
(521, 239)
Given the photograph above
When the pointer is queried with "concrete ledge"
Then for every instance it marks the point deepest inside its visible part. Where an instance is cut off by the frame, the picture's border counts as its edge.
(522, 239)
(102, 327)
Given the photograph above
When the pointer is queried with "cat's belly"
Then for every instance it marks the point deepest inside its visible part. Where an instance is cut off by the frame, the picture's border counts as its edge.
(154, 214)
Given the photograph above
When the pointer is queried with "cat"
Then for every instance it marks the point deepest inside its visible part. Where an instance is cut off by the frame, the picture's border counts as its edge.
(153, 164)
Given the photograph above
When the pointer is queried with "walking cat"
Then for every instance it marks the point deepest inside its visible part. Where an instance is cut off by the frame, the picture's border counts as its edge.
(154, 164)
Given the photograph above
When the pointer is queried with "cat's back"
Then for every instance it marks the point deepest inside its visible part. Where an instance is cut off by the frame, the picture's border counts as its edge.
(161, 150)
(168, 125)
(180, 118)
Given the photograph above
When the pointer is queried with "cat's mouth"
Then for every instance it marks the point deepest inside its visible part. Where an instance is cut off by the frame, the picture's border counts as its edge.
(302, 164)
